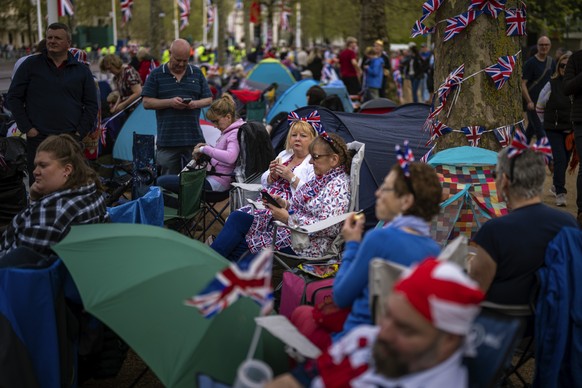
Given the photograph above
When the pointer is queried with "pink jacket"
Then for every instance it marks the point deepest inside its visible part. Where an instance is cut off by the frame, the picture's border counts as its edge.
(224, 154)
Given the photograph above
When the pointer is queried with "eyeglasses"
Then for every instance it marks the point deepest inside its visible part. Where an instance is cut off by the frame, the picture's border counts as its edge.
(317, 156)
(544, 44)
(562, 66)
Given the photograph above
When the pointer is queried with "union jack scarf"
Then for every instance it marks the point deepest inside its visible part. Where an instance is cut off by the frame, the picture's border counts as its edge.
(501, 71)
(251, 278)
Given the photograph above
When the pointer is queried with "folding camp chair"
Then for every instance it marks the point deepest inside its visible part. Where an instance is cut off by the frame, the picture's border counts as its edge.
(285, 261)
(185, 215)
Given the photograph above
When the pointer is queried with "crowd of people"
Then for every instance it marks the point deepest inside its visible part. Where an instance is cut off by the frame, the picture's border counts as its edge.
(419, 340)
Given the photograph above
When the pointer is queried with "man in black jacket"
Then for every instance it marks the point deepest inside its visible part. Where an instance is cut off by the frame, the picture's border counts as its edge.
(573, 86)
(52, 93)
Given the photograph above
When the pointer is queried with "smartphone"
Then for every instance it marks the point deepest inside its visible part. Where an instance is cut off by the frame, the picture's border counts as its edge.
(267, 197)
(186, 100)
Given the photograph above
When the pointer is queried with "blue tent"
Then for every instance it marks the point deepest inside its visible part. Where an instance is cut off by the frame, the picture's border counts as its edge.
(143, 122)
(293, 98)
(268, 71)
(338, 88)
(380, 133)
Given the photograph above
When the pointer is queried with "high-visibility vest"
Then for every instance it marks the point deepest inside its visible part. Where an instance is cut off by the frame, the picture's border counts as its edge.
(166, 56)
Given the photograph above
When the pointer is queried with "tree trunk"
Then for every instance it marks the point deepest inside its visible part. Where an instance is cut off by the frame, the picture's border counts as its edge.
(155, 28)
(479, 102)
(247, 24)
(222, 16)
(372, 22)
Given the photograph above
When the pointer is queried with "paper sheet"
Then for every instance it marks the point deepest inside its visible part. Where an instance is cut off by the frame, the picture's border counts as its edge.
(282, 328)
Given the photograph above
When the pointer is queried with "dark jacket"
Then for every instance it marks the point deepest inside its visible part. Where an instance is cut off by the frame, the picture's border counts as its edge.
(53, 100)
(558, 108)
(573, 84)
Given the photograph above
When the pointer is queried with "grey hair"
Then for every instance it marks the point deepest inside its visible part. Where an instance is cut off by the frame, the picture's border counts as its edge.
(529, 172)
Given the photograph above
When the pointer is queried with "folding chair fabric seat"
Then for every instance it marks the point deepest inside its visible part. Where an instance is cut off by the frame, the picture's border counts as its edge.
(183, 217)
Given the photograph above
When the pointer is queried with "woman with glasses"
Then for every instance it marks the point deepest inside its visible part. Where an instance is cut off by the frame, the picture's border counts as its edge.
(407, 201)
(553, 108)
(324, 196)
(222, 156)
(511, 249)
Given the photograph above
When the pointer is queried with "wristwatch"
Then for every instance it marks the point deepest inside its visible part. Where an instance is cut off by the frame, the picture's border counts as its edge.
(293, 179)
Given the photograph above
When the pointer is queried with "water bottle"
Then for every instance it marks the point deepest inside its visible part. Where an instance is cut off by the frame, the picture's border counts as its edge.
(292, 221)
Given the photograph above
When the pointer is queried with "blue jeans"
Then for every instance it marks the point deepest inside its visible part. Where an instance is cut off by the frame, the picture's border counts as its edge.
(561, 157)
(231, 241)
(578, 137)
(534, 126)
(415, 85)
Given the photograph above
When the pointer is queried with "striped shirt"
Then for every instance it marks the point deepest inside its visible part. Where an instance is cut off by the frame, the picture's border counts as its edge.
(177, 128)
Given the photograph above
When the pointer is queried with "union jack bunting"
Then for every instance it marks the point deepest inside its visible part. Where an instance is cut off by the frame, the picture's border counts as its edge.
(501, 71)
(250, 278)
(490, 7)
(184, 6)
(429, 8)
(427, 156)
(503, 135)
(473, 134)
(458, 23)
(404, 157)
(515, 19)
(421, 29)
(437, 129)
(452, 81)
(66, 8)
(126, 6)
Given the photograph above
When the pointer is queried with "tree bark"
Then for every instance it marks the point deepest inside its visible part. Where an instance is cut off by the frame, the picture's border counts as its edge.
(155, 28)
(222, 16)
(479, 102)
(372, 22)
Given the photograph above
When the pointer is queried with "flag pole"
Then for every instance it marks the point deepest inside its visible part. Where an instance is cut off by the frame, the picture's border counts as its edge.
(205, 23)
(215, 29)
(176, 32)
(39, 19)
(114, 21)
(298, 26)
(52, 11)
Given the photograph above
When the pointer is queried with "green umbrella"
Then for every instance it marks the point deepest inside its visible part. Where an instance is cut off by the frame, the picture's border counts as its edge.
(135, 279)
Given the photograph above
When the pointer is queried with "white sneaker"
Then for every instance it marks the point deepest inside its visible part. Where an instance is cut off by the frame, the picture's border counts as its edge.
(553, 190)
(561, 199)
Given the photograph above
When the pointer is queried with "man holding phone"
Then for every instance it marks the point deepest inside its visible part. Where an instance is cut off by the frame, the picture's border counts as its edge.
(176, 90)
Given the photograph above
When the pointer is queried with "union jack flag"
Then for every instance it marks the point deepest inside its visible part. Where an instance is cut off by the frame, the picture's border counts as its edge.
(210, 14)
(126, 6)
(452, 81)
(153, 65)
(473, 134)
(66, 8)
(285, 16)
(427, 156)
(501, 71)
(421, 29)
(490, 7)
(184, 6)
(503, 135)
(404, 157)
(458, 23)
(515, 19)
(429, 8)
(437, 129)
(328, 74)
(250, 278)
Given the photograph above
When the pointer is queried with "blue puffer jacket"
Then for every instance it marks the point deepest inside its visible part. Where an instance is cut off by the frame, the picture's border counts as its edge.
(558, 316)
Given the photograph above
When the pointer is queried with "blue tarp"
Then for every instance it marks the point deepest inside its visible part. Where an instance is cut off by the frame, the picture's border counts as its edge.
(293, 98)
(380, 133)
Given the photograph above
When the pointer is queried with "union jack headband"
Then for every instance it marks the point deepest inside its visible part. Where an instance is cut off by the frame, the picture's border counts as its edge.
(519, 144)
(314, 119)
(404, 158)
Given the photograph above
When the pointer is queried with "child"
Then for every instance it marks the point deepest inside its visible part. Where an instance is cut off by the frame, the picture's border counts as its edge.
(374, 71)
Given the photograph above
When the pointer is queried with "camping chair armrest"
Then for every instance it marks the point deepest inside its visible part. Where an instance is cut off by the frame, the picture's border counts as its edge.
(247, 186)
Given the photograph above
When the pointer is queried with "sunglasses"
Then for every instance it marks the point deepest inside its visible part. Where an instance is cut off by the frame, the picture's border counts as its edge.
(317, 156)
